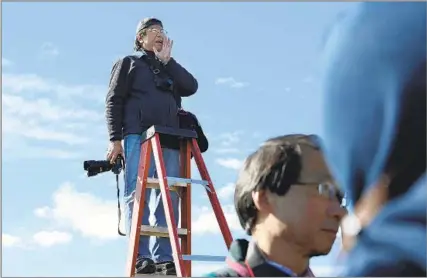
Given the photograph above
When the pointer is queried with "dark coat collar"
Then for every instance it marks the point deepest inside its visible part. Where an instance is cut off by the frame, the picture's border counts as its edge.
(259, 265)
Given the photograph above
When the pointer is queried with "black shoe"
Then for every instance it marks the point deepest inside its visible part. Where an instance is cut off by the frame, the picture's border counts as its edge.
(165, 268)
(145, 266)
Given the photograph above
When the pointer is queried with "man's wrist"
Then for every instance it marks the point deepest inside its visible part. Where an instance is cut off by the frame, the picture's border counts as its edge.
(115, 139)
(165, 62)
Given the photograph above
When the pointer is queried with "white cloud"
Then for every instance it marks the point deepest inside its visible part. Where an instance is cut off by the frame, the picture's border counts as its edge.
(205, 220)
(34, 119)
(33, 129)
(33, 84)
(49, 50)
(21, 82)
(231, 163)
(6, 63)
(226, 191)
(233, 83)
(50, 238)
(38, 110)
(229, 138)
(85, 213)
(44, 109)
(43, 212)
(23, 149)
(8, 240)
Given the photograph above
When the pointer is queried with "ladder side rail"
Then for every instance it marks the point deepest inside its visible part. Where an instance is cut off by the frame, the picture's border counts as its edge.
(167, 204)
(219, 214)
(138, 207)
(186, 204)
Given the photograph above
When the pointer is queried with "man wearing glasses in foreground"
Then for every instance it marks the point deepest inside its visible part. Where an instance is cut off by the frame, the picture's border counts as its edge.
(287, 201)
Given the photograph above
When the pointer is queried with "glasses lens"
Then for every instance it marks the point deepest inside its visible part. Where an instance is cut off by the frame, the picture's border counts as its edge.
(161, 31)
(325, 190)
(332, 192)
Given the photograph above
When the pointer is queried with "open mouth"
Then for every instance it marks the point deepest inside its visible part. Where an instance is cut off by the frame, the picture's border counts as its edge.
(159, 41)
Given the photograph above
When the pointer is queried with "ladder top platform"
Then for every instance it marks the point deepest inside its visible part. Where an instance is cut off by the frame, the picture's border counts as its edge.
(168, 132)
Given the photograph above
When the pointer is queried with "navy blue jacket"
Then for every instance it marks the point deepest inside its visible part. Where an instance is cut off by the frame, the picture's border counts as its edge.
(134, 103)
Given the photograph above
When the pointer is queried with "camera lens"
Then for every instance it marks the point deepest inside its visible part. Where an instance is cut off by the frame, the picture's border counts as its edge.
(86, 165)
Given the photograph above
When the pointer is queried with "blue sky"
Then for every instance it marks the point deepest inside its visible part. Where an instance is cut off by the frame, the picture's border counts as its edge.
(256, 64)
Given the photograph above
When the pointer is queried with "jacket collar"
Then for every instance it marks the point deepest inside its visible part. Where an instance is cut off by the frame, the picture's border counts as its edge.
(260, 265)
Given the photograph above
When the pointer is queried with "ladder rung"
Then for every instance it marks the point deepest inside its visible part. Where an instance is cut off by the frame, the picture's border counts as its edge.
(174, 182)
(160, 231)
(154, 184)
(204, 258)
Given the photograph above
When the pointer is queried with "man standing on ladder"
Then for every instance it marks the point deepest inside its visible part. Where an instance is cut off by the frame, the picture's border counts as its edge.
(144, 91)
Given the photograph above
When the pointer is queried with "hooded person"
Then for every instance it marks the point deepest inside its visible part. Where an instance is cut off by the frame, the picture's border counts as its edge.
(374, 136)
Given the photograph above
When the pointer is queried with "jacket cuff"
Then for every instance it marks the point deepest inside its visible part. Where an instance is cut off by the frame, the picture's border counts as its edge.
(115, 138)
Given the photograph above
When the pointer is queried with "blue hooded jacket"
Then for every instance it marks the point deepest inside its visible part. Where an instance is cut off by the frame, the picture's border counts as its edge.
(374, 86)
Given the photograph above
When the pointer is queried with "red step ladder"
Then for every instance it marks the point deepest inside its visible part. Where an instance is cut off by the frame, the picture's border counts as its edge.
(188, 147)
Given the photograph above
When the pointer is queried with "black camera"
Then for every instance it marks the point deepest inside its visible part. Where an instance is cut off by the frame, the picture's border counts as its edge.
(164, 84)
(95, 167)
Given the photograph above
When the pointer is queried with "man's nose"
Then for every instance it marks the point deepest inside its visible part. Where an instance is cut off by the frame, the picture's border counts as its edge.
(336, 210)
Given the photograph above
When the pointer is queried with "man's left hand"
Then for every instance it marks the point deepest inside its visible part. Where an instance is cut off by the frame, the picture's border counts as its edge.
(165, 54)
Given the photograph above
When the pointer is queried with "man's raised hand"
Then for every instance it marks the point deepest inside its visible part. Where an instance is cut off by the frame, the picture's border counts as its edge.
(165, 54)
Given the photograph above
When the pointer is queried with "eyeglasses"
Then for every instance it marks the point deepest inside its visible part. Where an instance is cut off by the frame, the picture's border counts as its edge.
(157, 31)
(330, 191)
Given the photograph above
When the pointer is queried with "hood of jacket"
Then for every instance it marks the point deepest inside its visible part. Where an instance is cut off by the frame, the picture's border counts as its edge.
(374, 87)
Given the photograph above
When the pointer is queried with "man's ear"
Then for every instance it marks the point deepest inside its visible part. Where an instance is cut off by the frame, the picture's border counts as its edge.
(140, 36)
(261, 200)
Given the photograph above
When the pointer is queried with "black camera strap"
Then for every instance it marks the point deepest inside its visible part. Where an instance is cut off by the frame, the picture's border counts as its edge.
(158, 69)
(119, 210)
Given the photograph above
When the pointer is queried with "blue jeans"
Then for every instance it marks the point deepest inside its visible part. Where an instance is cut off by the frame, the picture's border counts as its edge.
(156, 248)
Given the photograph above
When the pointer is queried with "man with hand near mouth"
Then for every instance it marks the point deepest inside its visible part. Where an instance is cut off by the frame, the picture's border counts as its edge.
(286, 199)
(146, 90)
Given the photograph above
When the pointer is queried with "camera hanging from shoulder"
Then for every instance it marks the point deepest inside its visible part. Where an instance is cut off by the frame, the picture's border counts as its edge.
(187, 120)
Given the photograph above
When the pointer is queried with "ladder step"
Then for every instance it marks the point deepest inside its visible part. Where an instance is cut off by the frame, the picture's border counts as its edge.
(159, 231)
(204, 258)
(174, 183)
